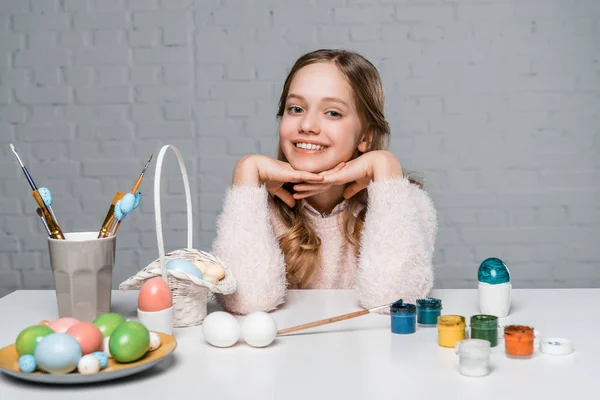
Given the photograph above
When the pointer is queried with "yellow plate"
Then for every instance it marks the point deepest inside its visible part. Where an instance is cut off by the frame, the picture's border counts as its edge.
(9, 364)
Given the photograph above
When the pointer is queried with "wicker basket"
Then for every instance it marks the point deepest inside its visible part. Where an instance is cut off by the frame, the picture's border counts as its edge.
(190, 293)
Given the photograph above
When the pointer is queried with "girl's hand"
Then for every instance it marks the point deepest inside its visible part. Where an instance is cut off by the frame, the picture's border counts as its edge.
(259, 169)
(371, 166)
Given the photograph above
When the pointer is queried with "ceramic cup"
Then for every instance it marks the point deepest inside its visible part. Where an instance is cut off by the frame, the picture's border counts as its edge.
(157, 321)
(495, 299)
(82, 266)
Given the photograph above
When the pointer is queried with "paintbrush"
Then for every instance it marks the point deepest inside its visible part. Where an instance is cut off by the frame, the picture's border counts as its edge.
(110, 217)
(136, 186)
(332, 319)
(55, 230)
(41, 214)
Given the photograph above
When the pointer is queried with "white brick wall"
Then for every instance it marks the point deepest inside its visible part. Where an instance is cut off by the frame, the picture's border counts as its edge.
(496, 102)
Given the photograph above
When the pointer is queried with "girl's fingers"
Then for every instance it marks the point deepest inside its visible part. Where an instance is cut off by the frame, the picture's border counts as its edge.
(342, 176)
(334, 169)
(303, 187)
(302, 176)
(302, 195)
(353, 189)
(285, 196)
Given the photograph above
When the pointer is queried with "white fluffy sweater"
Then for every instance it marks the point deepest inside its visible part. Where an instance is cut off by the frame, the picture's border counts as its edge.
(394, 261)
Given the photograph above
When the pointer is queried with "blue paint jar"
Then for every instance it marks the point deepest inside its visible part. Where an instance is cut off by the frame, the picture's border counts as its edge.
(403, 317)
(428, 310)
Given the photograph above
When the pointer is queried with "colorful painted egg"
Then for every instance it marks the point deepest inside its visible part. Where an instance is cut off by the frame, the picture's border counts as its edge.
(493, 271)
(45, 195)
(106, 347)
(58, 353)
(108, 322)
(62, 325)
(127, 203)
(138, 198)
(154, 341)
(155, 295)
(102, 358)
(29, 338)
(119, 215)
(88, 364)
(129, 342)
(27, 363)
(88, 335)
(185, 266)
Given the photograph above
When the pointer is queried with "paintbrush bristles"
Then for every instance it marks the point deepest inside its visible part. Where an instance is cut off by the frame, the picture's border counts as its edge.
(12, 147)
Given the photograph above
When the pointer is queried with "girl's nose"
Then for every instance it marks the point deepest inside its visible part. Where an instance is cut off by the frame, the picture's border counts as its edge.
(310, 124)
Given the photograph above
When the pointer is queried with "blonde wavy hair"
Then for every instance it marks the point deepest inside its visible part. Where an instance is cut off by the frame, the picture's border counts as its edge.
(300, 244)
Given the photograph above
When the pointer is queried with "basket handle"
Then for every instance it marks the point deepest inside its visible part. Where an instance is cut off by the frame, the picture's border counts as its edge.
(188, 200)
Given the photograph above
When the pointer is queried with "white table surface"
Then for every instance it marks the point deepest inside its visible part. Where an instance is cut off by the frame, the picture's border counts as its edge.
(354, 359)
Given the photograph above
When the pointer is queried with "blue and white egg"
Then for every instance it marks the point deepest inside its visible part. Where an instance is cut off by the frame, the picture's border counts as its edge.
(27, 363)
(58, 353)
(185, 266)
(102, 358)
(46, 196)
(127, 203)
(118, 212)
(138, 198)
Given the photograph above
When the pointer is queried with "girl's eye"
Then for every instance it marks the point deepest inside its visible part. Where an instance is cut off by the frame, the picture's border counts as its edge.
(294, 110)
(334, 114)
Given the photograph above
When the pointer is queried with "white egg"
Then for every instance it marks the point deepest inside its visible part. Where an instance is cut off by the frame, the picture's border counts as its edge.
(259, 329)
(105, 347)
(221, 329)
(154, 341)
(88, 364)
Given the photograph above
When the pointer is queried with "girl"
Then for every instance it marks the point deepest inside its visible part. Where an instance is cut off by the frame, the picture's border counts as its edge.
(335, 209)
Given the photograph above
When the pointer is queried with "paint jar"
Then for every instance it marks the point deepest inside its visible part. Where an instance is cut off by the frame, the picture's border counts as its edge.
(485, 327)
(451, 329)
(519, 340)
(403, 318)
(474, 357)
(428, 310)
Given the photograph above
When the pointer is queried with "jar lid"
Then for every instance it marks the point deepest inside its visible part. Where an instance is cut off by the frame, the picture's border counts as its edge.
(451, 321)
(519, 331)
(484, 321)
(556, 346)
(429, 302)
(403, 308)
(473, 347)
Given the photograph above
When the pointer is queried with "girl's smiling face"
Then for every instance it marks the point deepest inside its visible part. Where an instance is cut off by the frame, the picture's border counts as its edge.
(320, 126)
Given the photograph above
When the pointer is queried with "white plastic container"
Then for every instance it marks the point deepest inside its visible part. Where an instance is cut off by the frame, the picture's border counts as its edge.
(157, 321)
(495, 299)
(473, 357)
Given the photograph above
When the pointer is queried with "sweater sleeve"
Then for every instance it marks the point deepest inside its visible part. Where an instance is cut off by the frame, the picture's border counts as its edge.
(245, 241)
(397, 244)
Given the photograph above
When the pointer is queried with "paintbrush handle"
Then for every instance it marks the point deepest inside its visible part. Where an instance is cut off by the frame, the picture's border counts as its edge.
(55, 230)
(323, 322)
(110, 217)
(137, 185)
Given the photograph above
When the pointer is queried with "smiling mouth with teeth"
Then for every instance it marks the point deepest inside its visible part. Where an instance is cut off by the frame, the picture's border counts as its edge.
(310, 147)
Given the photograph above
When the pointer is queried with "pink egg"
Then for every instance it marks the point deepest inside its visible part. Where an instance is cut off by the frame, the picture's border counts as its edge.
(88, 335)
(155, 295)
(62, 325)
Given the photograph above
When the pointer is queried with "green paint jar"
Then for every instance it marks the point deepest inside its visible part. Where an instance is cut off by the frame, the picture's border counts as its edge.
(485, 327)
(428, 310)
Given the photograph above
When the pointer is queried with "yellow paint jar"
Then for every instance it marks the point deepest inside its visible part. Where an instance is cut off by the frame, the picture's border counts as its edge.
(451, 330)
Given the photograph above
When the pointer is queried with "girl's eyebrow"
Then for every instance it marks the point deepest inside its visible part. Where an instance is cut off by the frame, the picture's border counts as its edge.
(324, 99)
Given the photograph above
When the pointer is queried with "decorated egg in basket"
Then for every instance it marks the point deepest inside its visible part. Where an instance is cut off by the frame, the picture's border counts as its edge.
(189, 286)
